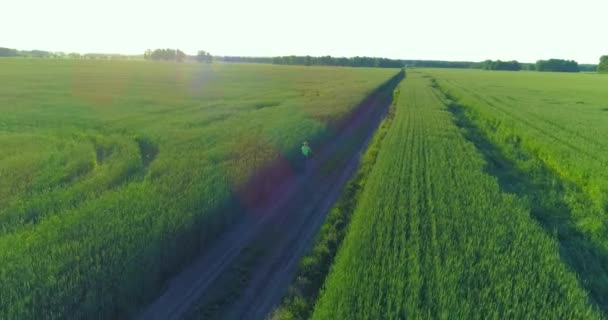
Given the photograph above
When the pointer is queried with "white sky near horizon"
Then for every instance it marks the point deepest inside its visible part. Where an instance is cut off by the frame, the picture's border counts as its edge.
(472, 30)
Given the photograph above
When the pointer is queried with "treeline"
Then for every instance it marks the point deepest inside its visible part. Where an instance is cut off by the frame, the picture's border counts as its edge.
(177, 55)
(501, 65)
(557, 65)
(165, 54)
(603, 66)
(354, 62)
(7, 52)
(105, 56)
(442, 64)
(587, 67)
(14, 53)
(203, 56)
(245, 59)
(351, 62)
(370, 62)
(551, 65)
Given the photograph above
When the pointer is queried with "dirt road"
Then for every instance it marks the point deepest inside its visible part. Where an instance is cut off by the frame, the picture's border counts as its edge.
(280, 228)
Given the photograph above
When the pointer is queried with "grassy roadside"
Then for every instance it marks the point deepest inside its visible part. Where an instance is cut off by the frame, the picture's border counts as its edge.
(299, 301)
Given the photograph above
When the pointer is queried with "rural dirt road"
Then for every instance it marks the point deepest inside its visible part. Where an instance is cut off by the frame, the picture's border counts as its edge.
(278, 228)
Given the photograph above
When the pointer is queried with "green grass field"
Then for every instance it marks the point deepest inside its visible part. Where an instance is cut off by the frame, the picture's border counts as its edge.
(483, 196)
(114, 173)
(551, 128)
(562, 118)
(434, 236)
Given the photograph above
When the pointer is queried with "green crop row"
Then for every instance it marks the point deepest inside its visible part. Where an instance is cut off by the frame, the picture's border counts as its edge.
(113, 174)
(433, 236)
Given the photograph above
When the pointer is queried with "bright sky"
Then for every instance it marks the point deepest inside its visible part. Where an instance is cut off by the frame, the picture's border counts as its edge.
(526, 30)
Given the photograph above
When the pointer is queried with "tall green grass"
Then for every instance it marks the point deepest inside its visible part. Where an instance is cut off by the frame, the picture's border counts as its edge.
(561, 118)
(548, 129)
(114, 173)
(433, 237)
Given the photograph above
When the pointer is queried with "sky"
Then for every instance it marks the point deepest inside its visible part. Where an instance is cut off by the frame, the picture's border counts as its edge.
(463, 30)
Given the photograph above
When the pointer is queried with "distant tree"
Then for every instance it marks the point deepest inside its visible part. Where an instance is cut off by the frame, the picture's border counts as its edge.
(528, 66)
(74, 55)
(180, 56)
(587, 67)
(7, 52)
(59, 55)
(443, 64)
(344, 62)
(308, 61)
(35, 54)
(501, 65)
(247, 59)
(603, 66)
(203, 56)
(557, 65)
(165, 54)
(365, 62)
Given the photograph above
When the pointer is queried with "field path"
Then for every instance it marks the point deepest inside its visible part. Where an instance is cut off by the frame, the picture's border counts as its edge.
(285, 225)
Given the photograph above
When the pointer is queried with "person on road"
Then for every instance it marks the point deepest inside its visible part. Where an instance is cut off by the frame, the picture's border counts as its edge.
(306, 153)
